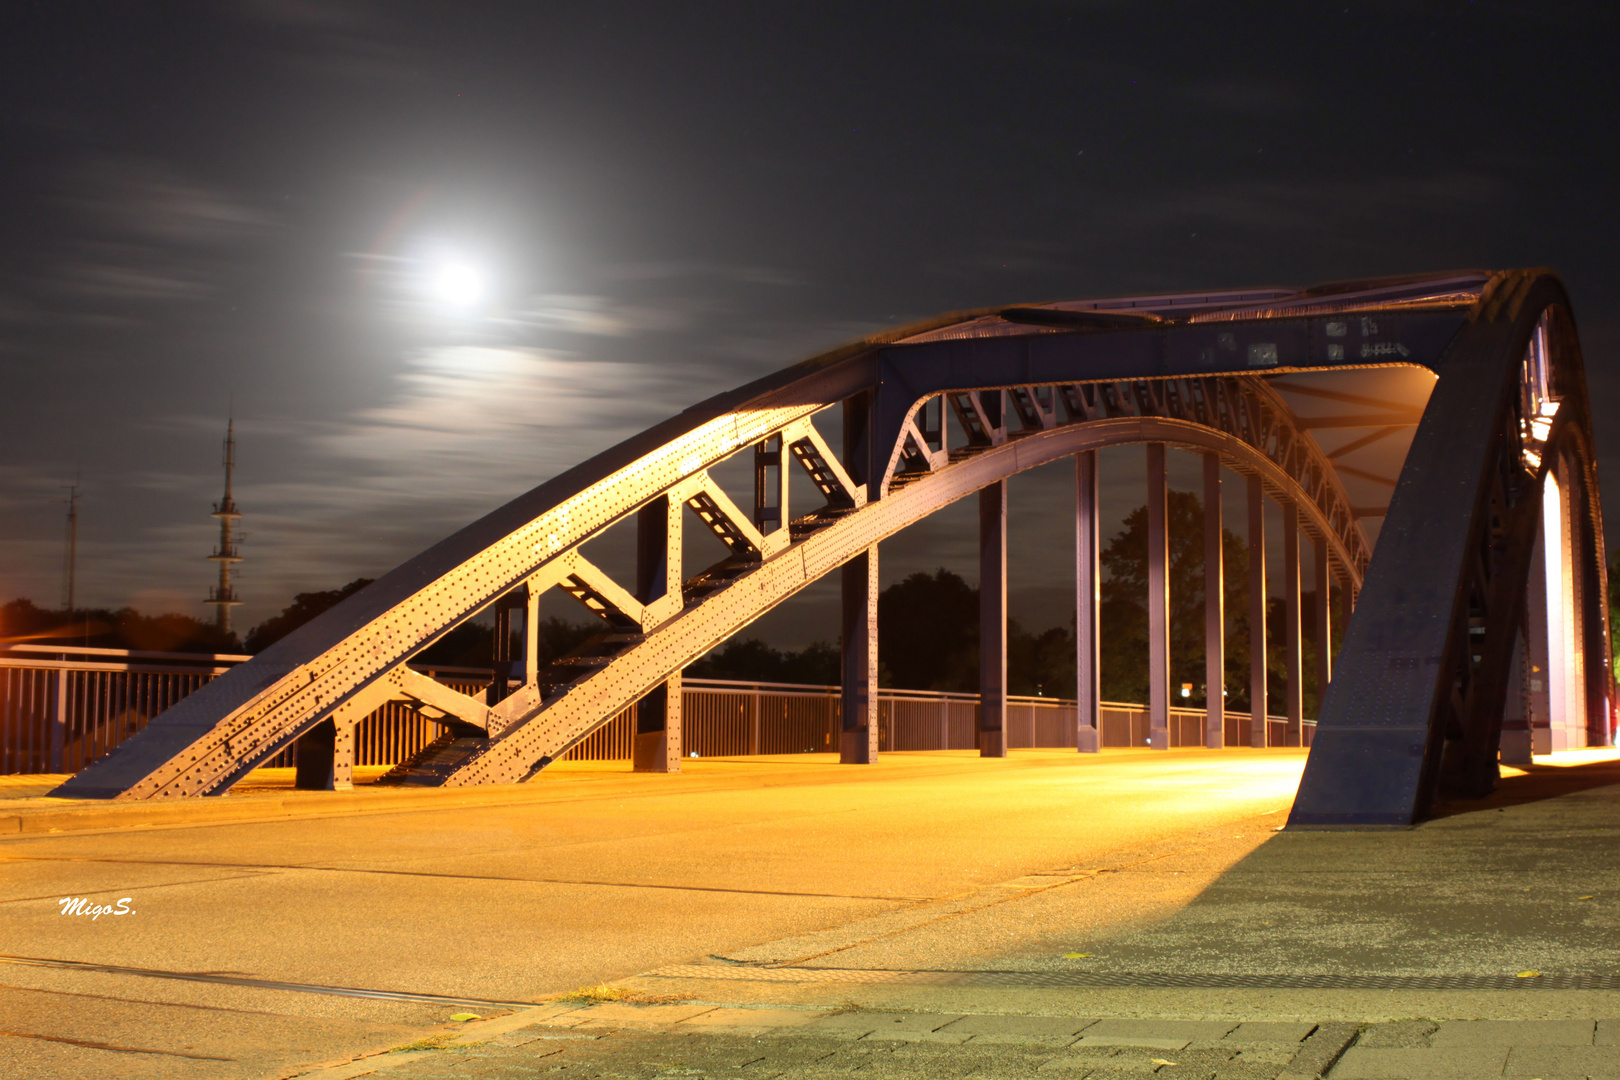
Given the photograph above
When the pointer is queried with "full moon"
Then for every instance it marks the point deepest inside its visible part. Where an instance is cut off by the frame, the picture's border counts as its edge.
(459, 284)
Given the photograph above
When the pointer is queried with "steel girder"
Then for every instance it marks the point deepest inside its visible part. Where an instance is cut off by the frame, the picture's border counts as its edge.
(1415, 708)
(1029, 385)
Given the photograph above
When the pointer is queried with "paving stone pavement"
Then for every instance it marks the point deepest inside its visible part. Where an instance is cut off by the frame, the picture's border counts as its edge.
(677, 1042)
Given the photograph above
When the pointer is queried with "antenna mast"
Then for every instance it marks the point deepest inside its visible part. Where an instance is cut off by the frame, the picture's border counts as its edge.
(71, 556)
(223, 596)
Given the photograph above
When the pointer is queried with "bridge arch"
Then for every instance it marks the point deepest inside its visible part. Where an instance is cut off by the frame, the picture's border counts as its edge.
(1028, 385)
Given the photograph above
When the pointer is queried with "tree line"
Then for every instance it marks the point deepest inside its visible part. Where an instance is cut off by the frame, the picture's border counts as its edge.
(928, 629)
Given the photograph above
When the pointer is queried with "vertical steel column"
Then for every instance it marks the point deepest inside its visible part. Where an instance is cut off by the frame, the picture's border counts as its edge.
(1087, 602)
(1572, 718)
(1258, 706)
(993, 620)
(1514, 742)
(658, 729)
(1324, 620)
(1214, 608)
(501, 657)
(1291, 615)
(771, 491)
(858, 741)
(1158, 601)
(531, 637)
(657, 746)
(1561, 664)
(1593, 607)
(343, 758)
(1538, 651)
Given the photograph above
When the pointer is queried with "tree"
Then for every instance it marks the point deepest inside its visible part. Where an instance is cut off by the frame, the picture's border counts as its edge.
(1614, 604)
(305, 606)
(751, 660)
(472, 644)
(928, 639)
(928, 632)
(1124, 645)
(125, 628)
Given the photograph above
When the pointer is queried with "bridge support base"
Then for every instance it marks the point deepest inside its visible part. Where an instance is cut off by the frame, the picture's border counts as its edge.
(657, 747)
(324, 758)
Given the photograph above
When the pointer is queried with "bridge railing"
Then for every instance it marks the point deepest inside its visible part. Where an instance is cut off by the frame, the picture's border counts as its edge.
(62, 708)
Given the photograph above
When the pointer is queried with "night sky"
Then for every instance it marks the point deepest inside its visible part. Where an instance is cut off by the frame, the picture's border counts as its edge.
(433, 254)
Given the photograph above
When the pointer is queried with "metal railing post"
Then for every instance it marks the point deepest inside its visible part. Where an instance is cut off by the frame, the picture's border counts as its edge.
(753, 729)
(59, 722)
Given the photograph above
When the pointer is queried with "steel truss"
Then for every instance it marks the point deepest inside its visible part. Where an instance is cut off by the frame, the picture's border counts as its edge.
(1028, 386)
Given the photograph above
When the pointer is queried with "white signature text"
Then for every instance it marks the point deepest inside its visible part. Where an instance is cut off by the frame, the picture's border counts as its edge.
(79, 905)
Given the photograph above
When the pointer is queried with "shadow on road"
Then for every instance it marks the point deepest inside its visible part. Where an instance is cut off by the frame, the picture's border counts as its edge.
(1549, 778)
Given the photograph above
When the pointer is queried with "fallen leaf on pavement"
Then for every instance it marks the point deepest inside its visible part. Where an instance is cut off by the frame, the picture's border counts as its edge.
(1528, 975)
(1077, 955)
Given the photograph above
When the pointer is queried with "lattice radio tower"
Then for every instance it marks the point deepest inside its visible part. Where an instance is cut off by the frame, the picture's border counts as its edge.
(223, 596)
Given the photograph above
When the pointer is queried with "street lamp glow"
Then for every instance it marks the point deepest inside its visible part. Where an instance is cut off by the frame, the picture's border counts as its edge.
(459, 285)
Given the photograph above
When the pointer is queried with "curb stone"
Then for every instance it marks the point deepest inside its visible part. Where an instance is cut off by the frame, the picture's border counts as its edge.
(1320, 1051)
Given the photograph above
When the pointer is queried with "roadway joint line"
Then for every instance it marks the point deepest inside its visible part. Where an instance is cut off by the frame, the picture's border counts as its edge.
(263, 984)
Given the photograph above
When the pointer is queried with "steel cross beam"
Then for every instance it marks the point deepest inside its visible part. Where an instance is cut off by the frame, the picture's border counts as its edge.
(1028, 386)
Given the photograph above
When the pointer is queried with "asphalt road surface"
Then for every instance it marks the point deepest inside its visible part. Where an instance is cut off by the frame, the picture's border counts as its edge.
(603, 875)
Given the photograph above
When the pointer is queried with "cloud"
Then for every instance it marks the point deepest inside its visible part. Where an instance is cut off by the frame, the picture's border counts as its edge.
(143, 199)
(683, 269)
(147, 233)
(597, 316)
(348, 40)
(122, 272)
(473, 426)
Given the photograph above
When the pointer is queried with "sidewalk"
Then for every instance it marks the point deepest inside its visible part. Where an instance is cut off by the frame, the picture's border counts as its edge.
(706, 1041)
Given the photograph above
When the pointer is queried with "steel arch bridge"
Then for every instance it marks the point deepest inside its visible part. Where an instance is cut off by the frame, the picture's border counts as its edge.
(1489, 567)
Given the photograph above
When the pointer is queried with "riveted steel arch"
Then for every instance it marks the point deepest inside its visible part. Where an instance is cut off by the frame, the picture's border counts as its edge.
(1027, 385)
(1415, 709)
(668, 648)
(527, 728)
